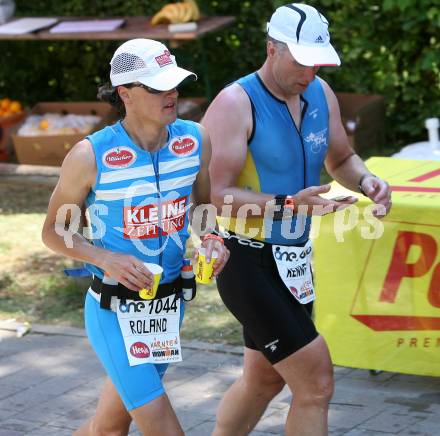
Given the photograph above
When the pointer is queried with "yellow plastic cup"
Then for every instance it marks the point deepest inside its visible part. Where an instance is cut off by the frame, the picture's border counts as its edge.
(156, 270)
(205, 270)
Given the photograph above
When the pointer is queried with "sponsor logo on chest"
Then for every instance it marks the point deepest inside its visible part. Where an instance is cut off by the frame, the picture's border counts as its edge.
(182, 146)
(119, 157)
(143, 222)
(317, 140)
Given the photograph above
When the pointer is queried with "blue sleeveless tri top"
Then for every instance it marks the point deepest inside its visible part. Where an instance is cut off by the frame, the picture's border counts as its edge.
(282, 159)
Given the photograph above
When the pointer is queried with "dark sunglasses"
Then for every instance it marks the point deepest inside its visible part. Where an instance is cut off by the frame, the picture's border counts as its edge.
(147, 88)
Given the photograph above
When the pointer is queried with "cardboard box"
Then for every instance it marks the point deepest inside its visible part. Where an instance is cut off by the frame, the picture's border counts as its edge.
(363, 116)
(51, 149)
(8, 125)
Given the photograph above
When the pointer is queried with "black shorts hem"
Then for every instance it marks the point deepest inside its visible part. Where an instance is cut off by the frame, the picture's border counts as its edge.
(273, 321)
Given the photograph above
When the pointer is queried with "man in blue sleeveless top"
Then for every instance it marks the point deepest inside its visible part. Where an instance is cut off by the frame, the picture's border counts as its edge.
(272, 131)
(135, 178)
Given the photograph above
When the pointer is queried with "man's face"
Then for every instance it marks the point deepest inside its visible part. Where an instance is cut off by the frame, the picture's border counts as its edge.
(160, 108)
(289, 75)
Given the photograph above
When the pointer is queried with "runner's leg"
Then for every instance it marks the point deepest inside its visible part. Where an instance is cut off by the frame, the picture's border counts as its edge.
(139, 388)
(309, 375)
(157, 418)
(111, 417)
(246, 400)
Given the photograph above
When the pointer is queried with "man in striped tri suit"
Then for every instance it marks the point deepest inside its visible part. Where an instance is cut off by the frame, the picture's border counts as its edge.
(136, 178)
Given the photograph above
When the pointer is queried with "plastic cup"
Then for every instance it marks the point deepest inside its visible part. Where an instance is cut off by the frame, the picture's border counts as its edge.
(156, 270)
(205, 270)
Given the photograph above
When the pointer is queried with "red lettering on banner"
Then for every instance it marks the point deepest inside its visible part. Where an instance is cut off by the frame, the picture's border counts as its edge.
(143, 222)
(400, 269)
(434, 287)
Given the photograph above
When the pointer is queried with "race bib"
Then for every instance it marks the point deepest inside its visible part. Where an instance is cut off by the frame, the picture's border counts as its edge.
(294, 268)
(151, 330)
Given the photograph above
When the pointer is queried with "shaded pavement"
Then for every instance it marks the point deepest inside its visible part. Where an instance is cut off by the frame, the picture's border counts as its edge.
(50, 381)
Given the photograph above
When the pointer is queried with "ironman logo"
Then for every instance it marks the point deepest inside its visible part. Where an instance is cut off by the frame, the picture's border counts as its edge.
(119, 157)
(183, 146)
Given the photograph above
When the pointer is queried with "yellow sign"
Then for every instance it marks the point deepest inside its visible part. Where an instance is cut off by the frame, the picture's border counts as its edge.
(378, 300)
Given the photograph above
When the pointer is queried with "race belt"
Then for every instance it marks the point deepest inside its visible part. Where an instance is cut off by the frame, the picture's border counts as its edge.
(108, 291)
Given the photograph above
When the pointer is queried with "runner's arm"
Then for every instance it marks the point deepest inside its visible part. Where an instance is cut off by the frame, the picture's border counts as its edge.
(344, 165)
(60, 230)
(229, 123)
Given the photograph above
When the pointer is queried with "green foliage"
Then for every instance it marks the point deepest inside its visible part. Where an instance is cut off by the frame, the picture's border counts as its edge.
(390, 48)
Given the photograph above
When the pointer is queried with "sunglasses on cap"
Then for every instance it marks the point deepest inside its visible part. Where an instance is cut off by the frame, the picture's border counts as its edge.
(147, 88)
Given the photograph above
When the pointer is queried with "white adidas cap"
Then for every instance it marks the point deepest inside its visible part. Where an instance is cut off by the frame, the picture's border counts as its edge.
(305, 31)
(148, 62)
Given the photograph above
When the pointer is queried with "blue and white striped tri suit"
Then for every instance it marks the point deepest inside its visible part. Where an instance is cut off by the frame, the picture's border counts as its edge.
(139, 206)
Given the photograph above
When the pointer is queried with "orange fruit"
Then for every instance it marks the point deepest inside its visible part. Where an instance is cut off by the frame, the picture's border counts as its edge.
(4, 103)
(44, 125)
(15, 107)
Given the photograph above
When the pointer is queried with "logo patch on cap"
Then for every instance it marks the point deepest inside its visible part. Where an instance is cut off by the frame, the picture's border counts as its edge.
(183, 146)
(119, 157)
(164, 59)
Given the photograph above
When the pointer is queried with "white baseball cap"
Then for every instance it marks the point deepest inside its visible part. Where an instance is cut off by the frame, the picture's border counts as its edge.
(148, 62)
(305, 31)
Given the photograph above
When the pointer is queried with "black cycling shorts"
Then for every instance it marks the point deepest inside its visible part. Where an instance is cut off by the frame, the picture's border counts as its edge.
(274, 322)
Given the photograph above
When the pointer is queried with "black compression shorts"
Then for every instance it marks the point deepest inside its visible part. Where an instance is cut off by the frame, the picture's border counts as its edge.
(274, 322)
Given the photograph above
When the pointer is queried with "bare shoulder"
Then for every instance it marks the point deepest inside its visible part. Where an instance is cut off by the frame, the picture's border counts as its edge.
(205, 136)
(230, 112)
(206, 142)
(79, 164)
(201, 128)
(230, 99)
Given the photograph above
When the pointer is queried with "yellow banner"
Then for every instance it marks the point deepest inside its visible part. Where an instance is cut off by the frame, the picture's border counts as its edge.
(378, 298)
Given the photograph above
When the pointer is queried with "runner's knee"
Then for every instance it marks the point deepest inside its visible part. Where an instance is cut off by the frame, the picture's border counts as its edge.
(316, 393)
(99, 428)
(264, 385)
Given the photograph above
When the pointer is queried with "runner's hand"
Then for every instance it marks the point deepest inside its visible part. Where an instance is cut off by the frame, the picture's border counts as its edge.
(223, 253)
(317, 205)
(127, 270)
(378, 191)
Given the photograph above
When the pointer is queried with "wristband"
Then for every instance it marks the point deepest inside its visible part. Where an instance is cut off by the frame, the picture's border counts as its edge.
(213, 236)
(286, 202)
(360, 183)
